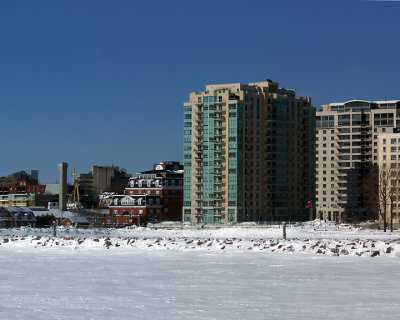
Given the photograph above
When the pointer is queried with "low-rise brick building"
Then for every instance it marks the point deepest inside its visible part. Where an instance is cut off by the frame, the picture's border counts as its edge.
(153, 196)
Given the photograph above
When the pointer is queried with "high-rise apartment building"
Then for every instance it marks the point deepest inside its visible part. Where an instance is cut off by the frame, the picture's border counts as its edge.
(347, 147)
(249, 154)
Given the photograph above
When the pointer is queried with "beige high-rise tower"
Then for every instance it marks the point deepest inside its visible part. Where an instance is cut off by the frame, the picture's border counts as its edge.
(347, 148)
(249, 154)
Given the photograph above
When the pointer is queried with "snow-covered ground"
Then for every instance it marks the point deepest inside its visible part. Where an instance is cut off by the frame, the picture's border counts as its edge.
(233, 273)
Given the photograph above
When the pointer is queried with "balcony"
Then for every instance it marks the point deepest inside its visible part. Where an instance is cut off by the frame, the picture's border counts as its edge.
(198, 174)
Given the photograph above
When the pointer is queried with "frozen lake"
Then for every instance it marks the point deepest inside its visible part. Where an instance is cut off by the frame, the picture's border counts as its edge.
(64, 283)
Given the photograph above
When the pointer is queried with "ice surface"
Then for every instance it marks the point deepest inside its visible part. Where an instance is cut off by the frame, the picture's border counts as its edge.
(198, 274)
(147, 284)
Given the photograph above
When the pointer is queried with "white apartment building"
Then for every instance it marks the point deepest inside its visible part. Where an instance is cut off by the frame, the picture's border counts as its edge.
(346, 148)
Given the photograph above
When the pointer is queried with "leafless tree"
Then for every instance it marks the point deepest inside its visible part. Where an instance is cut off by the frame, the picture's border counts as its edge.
(379, 191)
(387, 191)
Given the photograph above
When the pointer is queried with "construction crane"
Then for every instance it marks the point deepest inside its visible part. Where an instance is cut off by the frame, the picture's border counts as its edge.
(73, 200)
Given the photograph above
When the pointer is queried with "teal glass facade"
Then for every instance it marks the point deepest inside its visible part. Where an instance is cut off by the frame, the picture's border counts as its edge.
(280, 184)
(209, 147)
(187, 161)
(235, 158)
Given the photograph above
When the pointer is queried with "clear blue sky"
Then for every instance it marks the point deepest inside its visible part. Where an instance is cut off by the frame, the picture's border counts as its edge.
(103, 82)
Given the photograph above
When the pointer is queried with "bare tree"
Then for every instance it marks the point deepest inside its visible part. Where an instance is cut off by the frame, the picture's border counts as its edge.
(386, 191)
(394, 172)
(379, 192)
(392, 201)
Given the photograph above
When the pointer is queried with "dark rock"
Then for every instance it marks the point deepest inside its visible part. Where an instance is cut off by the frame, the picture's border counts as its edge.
(375, 253)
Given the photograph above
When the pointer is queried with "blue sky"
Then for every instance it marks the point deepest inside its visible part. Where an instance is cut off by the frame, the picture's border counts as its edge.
(103, 82)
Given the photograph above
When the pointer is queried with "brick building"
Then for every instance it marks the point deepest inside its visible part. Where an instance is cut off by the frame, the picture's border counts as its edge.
(21, 194)
(152, 196)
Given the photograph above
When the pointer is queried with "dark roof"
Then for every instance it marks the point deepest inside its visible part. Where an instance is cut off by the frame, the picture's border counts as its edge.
(78, 220)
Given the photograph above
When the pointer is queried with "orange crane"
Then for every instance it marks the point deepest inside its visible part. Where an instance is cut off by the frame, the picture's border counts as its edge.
(73, 200)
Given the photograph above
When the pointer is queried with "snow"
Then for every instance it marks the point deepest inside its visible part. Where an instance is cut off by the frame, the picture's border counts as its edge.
(199, 274)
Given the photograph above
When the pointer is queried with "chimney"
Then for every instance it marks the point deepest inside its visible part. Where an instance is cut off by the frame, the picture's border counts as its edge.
(62, 197)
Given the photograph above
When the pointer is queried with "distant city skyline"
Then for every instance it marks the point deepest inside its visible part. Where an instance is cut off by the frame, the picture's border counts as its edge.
(103, 83)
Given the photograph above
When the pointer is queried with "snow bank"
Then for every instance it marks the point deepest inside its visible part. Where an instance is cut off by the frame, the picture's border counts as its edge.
(311, 239)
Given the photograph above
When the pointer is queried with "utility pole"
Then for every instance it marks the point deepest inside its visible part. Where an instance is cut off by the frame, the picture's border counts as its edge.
(284, 230)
